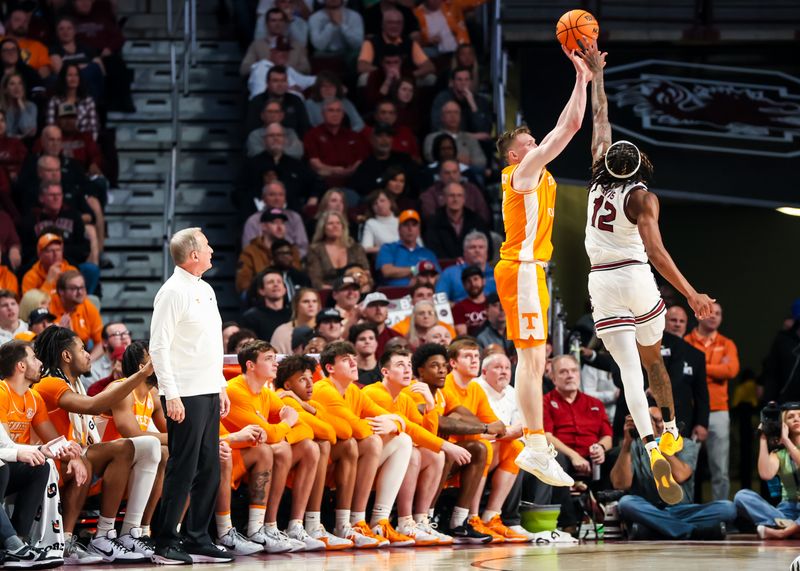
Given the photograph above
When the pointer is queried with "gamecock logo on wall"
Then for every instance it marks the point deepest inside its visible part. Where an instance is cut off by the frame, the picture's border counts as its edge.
(706, 107)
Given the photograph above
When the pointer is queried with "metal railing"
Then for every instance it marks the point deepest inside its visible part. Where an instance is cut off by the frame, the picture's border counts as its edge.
(498, 64)
(187, 14)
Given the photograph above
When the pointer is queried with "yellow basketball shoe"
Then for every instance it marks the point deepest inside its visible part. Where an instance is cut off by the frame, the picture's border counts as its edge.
(669, 445)
(668, 489)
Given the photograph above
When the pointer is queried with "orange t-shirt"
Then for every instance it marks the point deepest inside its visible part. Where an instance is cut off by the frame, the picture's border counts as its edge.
(34, 53)
(354, 406)
(430, 419)
(323, 430)
(21, 412)
(51, 389)
(85, 320)
(405, 406)
(36, 278)
(404, 325)
(473, 398)
(9, 281)
(722, 365)
(528, 216)
(142, 410)
(262, 408)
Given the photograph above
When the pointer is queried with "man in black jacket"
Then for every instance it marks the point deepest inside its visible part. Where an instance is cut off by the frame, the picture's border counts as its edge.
(295, 114)
(368, 175)
(445, 231)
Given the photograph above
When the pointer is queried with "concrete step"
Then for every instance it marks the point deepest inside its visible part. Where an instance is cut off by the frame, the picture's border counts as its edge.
(160, 7)
(157, 106)
(140, 293)
(143, 25)
(147, 199)
(204, 77)
(147, 231)
(157, 50)
(147, 264)
(143, 166)
(194, 136)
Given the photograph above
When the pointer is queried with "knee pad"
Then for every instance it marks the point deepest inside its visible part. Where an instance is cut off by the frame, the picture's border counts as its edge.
(147, 449)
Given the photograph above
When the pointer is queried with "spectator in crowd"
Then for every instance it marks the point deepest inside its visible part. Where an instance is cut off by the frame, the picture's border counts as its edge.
(11, 59)
(375, 18)
(464, 56)
(368, 175)
(297, 14)
(364, 338)
(65, 49)
(414, 60)
(278, 88)
(300, 182)
(73, 310)
(433, 199)
(381, 226)
(51, 213)
(468, 149)
(272, 112)
(375, 311)
(642, 510)
(398, 261)
(379, 82)
(469, 314)
(238, 340)
(261, 48)
(394, 181)
(20, 112)
(576, 424)
(33, 299)
(305, 306)
(346, 294)
(722, 365)
(427, 273)
(279, 55)
(447, 230)
(10, 323)
(78, 146)
(442, 26)
(362, 277)
(272, 310)
(404, 140)
(257, 255)
(476, 110)
(332, 250)
(336, 32)
(475, 253)
(70, 89)
(403, 92)
(329, 86)
(10, 249)
(44, 274)
(493, 331)
(273, 195)
(781, 375)
(329, 325)
(34, 52)
(283, 260)
(333, 150)
(776, 522)
(440, 335)
(423, 318)
(96, 27)
(12, 155)
(40, 319)
(333, 199)
(443, 148)
(228, 329)
(115, 336)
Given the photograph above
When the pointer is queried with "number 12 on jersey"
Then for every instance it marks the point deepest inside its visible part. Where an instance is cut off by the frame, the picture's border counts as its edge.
(603, 215)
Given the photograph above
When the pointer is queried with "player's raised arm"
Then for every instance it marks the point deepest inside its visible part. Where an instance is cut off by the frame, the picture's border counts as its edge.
(644, 208)
(530, 168)
(601, 128)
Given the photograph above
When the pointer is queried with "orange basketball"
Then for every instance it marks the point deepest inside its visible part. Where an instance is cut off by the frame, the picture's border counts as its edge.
(574, 26)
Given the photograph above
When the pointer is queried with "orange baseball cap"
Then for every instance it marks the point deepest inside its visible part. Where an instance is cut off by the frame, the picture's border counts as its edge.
(46, 239)
(409, 214)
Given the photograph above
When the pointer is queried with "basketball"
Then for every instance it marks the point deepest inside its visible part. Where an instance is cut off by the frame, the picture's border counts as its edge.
(574, 26)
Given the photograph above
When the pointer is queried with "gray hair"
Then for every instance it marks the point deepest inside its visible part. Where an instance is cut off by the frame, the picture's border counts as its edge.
(330, 101)
(491, 358)
(183, 243)
(475, 235)
(569, 356)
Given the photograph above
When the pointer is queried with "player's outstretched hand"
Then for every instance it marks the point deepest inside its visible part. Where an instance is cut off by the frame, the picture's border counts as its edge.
(595, 59)
(582, 72)
(701, 304)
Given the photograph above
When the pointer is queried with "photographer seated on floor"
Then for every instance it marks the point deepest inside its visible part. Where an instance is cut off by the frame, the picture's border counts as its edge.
(644, 514)
(778, 455)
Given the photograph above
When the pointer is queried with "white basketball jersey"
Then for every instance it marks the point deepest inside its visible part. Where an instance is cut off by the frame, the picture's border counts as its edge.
(610, 236)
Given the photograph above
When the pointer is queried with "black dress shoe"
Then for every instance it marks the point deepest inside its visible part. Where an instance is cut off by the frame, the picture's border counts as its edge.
(171, 555)
(713, 532)
(639, 532)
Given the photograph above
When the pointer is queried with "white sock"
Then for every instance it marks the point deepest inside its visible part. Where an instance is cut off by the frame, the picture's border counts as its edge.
(421, 518)
(146, 456)
(312, 521)
(294, 523)
(255, 518)
(104, 525)
(146, 530)
(67, 536)
(342, 520)
(271, 524)
(379, 512)
(536, 441)
(458, 517)
(224, 523)
(672, 426)
(405, 520)
(650, 446)
(487, 515)
(356, 517)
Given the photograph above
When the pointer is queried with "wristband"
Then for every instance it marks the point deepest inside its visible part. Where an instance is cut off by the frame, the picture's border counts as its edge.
(414, 270)
(485, 428)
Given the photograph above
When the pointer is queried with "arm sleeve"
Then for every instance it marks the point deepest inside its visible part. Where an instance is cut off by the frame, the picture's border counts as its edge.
(341, 427)
(243, 413)
(336, 407)
(167, 309)
(725, 371)
(420, 435)
(353, 29)
(321, 30)
(483, 410)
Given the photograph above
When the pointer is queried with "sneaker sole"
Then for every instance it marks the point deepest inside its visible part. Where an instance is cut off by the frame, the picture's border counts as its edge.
(276, 552)
(545, 479)
(668, 488)
(426, 542)
(210, 559)
(329, 547)
(34, 565)
(473, 540)
(160, 560)
(401, 544)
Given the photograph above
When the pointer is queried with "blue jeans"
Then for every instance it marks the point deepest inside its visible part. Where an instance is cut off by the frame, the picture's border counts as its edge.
(91, 275)
(758, 510)
(675, 522)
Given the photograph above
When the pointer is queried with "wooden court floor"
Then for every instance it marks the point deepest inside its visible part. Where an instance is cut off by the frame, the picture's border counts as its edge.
(737, 555)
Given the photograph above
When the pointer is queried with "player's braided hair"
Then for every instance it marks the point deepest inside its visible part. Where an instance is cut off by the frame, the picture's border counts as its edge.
(49, 346)
(621, 159)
